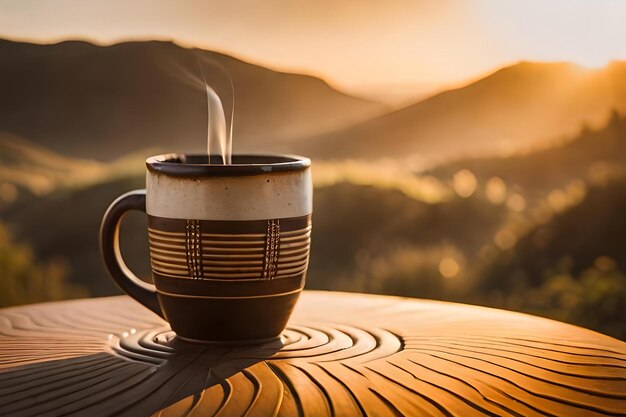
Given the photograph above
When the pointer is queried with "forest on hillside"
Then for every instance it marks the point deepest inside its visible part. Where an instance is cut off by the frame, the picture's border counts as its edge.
(541, 232)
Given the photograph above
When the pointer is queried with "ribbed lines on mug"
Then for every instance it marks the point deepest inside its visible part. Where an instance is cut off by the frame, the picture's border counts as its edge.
(183, 274)
(190, 252)
(181, 240)
(293, 246)
(209, 267)
(234, 258)
(222, 278)
(286, 267)
(225, 271)
(258, 236)
(176, 260)
(206, 244)
(221, 259)
(286, 261)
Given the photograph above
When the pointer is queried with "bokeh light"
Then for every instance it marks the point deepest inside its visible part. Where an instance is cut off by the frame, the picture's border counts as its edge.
(449, 268)
(495, 190)
(464, 183)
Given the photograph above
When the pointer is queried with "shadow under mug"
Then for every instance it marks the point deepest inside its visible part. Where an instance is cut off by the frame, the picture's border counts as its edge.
(229, 244)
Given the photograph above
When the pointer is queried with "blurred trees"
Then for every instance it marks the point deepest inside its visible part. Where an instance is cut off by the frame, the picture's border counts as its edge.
(541, 232)
(23, 280)
(595, 298)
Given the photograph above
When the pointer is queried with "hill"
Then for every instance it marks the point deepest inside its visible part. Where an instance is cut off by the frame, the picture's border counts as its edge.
(29, 171)
(76, 212)
(384, 215)
(64, 224)
(101, 102)
(539, 232)
(571, 268)
(591, 155)
(38, 170)
(572, 240)
(513, 108)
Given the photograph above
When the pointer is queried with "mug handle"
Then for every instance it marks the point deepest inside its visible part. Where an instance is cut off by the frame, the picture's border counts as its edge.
(111, 254)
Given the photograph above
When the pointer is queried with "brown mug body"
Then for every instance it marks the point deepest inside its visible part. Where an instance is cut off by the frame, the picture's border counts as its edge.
(229, 244)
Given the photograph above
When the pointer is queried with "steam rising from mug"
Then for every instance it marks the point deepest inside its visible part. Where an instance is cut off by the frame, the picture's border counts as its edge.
(219, 138)
(215, 82)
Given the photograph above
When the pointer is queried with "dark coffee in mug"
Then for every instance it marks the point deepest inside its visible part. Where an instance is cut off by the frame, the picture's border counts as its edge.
(229, 244)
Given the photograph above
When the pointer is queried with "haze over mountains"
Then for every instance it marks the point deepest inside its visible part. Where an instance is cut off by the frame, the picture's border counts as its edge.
(101, 103)
(515, 107)
(97, 102)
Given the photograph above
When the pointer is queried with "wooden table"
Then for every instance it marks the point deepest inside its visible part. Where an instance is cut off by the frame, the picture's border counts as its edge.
(343, 354)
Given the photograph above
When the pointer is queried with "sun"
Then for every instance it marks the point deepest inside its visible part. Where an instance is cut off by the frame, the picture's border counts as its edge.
(593, 61)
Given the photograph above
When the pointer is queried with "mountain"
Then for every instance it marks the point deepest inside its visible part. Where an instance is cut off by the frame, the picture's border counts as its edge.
(101, 102)
(29, 171)
(516, 107)
(590, 156)
(37, 170)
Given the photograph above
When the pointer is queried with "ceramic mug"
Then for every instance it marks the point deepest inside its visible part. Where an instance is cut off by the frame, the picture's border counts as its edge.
(229, 244)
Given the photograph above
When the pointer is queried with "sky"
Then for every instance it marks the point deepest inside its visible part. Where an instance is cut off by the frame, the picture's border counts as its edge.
(394, 49)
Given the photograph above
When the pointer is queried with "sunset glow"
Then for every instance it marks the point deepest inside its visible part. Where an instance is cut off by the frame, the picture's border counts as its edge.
(402, 48)
(459, 154)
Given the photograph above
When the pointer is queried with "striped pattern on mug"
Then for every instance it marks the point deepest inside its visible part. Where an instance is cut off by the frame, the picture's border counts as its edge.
(230, 250)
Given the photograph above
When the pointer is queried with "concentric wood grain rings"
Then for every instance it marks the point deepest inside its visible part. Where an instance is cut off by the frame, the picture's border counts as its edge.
(342, 354)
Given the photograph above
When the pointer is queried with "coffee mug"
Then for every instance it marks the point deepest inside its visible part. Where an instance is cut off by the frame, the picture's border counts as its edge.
(229, 244)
